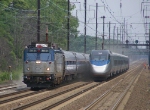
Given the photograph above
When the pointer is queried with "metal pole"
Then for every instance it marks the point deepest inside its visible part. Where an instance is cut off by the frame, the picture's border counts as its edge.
(120, 36)
(47, 34)
(149, 46)
(96, 26)
(124, 30)
(38, 22)
(113, 37)
(117, 37)
(103, 32)
(85, 29)
(122, 40)
(68, 24)
(122, 33)
(109, 35)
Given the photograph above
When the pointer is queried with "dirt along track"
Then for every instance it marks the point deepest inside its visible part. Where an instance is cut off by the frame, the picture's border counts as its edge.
(87, 99)
(112, 98)
(79, 95)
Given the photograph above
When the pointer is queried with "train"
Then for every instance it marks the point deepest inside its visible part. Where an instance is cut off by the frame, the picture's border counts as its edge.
(105, 64)
(45, 65)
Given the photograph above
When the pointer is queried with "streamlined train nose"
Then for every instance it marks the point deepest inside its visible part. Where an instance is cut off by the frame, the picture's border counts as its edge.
(99, 70)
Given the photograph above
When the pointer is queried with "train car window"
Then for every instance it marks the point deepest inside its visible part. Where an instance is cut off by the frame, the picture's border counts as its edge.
(69, 62)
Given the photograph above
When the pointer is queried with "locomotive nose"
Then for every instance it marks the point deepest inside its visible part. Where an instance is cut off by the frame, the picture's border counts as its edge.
(98, 70)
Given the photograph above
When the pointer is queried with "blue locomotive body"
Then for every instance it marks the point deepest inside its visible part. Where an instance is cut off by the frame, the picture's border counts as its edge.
(104, 63)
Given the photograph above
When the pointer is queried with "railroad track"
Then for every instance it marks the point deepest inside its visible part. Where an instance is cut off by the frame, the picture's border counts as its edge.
(58, 97)
(18, 99)
(112, 99)
(15, 96)
(6, 87)
(61, 97)
(50, 101)
(119, 104)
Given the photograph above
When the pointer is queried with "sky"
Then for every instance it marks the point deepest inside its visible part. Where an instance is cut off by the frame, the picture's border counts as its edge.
(116, 12)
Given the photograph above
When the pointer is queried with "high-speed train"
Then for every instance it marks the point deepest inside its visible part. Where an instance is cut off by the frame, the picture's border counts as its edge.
(104, 63)
(45, 65)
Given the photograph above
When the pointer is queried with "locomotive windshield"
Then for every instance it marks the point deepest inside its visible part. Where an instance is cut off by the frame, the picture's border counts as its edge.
(38, 54)
(99, 55)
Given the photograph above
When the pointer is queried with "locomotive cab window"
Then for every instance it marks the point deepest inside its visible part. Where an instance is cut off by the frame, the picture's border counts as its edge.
(103, 57)
(38, 50)
(32, 50)
(44, 50)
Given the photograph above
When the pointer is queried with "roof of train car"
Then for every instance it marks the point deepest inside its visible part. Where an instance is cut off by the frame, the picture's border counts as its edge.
(117, 54)
(112, 53)
(69, 55)
(79, 56)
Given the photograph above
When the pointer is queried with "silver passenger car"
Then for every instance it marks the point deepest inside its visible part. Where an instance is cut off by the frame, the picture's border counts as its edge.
(76, 64)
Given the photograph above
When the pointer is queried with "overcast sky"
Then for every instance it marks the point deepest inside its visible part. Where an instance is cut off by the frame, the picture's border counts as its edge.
(115, 11)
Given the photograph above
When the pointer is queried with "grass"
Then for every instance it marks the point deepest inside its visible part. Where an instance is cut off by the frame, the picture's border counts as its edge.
(5, 76)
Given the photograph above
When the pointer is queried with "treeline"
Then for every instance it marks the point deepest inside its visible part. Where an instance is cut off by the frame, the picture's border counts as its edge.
(18, 28)
(77, 44)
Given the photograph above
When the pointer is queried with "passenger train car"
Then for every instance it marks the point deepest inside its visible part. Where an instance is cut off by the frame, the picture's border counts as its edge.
(46, 66)
(104, 63)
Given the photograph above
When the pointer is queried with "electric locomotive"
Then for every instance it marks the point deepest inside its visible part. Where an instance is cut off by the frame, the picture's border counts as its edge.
(46, 65)
(43, 66)
(104, 63)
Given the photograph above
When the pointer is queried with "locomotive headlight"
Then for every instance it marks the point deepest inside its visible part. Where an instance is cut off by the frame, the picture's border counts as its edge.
(48, 69)
(28, 69)
(38, 61)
